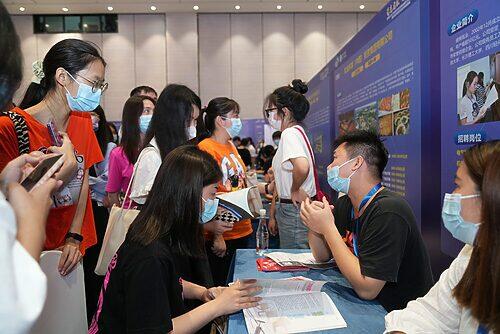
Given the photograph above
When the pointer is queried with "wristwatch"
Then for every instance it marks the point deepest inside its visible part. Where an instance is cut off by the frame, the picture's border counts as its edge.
(76, 236)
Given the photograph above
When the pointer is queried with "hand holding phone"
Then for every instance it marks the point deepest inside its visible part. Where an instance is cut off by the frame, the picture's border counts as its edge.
(45, 169)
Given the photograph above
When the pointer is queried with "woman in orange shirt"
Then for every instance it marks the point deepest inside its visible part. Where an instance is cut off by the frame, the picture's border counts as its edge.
(219, 122)
(72, 83)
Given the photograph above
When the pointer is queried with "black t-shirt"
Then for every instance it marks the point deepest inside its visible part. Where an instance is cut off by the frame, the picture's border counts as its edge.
(143, 294)
(390, 247)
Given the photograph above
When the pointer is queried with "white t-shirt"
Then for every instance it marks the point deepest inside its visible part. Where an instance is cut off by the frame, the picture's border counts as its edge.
(467, 109)
(145, 170)
(252, 150)
(23, 287)
(292, 145)
(437, 311)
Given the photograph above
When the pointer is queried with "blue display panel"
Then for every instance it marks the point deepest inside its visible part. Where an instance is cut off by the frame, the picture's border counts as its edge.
(253, 128)
(320, 122)
(470, 45)
(377, 86)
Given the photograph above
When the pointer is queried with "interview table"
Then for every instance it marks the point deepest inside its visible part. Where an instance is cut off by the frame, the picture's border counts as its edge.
(361, 316)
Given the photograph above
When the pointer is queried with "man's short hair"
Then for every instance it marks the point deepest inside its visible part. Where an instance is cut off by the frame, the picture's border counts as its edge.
(368, 145)
(276, 134)
(480, 75)
(140, 90)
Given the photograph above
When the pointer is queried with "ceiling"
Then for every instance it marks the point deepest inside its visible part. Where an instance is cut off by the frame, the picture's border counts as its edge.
(204, 6)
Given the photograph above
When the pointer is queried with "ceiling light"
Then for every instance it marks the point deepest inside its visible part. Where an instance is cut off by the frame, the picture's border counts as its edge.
(278, 7)
(195, 7)
(361, 7)
(237, 7)
(153, 8)
(85, 25)
(47, 25)
(65, 9)
(22, 9)
(110, 8)
(320, 6)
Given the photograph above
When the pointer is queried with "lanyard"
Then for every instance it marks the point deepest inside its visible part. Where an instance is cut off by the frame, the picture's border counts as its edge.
(361, 205)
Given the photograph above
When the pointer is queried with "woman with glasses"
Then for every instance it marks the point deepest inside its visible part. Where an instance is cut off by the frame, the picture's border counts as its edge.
(219, 123)
(292, 165)
(71, 84)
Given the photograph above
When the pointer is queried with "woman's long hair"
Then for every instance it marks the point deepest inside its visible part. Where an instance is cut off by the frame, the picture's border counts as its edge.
(131, 132)
(468, 81)
(11, 59)
(103, 132)
(172, 211)
(479, 287)
(173, 113)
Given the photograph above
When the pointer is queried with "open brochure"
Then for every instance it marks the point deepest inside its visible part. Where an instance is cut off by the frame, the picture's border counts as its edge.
(491, 98)
(300, 259)
(292, 306)
(242, 204)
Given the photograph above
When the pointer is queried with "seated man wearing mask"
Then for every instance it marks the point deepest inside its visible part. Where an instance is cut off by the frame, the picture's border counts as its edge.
(372, 232)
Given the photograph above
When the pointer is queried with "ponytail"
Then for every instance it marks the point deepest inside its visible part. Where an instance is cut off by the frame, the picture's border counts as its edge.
(201, 127)
(34, 94)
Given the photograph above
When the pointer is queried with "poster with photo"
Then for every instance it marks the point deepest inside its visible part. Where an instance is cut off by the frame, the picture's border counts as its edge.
(470, 86)
(377, 87)
(320, 123)
(477, 92)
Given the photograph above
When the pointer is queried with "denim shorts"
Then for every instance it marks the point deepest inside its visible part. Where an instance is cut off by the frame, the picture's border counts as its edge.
(293, 233)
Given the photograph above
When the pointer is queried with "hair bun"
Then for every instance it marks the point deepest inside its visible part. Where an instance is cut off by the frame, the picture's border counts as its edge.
(299, 86)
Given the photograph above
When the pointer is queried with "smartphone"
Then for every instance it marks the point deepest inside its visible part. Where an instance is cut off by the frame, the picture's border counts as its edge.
(55, 137)
(43, 171)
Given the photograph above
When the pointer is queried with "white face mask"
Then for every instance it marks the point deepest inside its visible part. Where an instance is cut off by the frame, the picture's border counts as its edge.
(275, 124)
(191, 131)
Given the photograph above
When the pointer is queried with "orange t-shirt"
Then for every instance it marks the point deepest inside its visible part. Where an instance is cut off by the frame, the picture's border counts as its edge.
(231, 164)
(87, 153)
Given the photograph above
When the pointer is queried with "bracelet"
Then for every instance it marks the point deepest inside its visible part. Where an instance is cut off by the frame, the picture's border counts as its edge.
(76, 236)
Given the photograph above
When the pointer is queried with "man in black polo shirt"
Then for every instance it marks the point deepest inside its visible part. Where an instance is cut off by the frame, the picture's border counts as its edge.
(372, 232)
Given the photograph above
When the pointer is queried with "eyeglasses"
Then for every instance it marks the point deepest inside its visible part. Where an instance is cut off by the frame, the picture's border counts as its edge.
(269, 110)
(97, 84)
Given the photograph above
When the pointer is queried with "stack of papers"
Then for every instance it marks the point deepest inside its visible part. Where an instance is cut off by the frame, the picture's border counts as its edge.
(292, 306)
(302, 259)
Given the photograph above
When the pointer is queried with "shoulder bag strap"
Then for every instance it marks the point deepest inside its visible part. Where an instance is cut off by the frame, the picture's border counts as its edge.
(21, 130)
(316, 181)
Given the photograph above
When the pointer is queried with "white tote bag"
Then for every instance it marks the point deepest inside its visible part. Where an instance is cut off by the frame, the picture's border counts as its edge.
(118, 223)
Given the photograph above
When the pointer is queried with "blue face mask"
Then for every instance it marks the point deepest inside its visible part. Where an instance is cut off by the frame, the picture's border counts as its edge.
(209, 209)
(235, 128)
(144, 121)
(460, 229)
(338, 183)
(85, 100)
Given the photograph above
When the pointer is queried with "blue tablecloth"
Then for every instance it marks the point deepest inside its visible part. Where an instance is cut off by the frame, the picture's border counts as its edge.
(361, 316)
